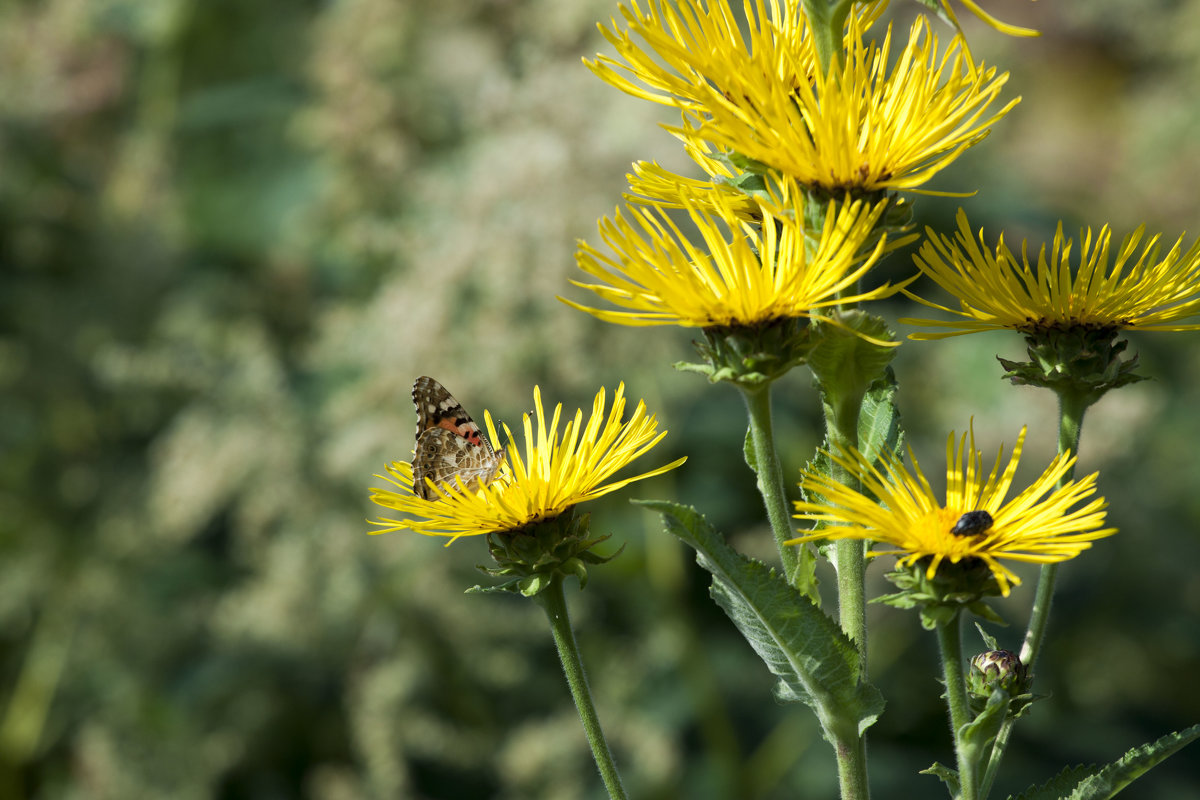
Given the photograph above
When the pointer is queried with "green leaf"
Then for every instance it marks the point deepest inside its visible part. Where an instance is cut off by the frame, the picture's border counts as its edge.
(1061, 785)
(1096, 783)
(844, 363)
(815, 662)
(818, 465)
(977, 735)
(879, 431)
(989, 641)
(948, 776)
(748, 451)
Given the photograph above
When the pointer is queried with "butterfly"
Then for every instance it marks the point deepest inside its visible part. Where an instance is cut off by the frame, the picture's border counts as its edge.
(449, 443)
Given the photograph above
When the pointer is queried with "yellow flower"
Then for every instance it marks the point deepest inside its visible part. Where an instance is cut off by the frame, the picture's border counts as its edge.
(995, 290)
(744, 274)
(1038, 526)
(556, 473)
(762, 96)
(690, 44)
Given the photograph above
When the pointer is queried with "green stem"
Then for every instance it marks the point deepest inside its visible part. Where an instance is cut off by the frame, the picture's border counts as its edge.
(770, 477)
(950, 642)
(841, 423)
(998, 748)
(1071, 408)
(842, 429)
(852, 601)
(554, 602)
(826, 20)
(852, 768)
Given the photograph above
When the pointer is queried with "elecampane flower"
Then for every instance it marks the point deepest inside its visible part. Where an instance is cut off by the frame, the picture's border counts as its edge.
(689, 47)
(1039, 525)
(860, 126)
(555, 473)
(742, 274)
(1099, 289)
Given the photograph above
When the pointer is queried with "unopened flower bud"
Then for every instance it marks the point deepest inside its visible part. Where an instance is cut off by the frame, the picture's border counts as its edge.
(997, 669)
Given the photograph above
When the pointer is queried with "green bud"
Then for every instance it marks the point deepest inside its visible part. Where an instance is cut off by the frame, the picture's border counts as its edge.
(997, 669)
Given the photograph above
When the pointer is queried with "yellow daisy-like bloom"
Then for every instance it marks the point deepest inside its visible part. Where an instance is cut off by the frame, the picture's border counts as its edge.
(1037, 526)
(556, 473)
(742, 275)
(996, 290)
(860, 126)
(690, 44)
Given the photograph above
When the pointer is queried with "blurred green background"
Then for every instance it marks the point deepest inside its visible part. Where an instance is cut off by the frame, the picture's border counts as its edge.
(232, 233)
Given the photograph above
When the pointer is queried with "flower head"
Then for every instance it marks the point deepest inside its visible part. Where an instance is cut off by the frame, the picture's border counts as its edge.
(1140, 290)
(746, 272)
(973, 524)
(691, 45)
(556, 472)
(763, 97)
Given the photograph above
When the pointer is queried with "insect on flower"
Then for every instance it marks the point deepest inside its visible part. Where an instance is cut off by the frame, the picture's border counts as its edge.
(972, 523)
(449, 443)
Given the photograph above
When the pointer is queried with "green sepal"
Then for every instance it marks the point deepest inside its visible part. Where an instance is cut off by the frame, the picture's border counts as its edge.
(751, 356)
(953, 587)
(1100, 783)
(945, 774)
(529, 558)
(814, 661)
(1079, 360)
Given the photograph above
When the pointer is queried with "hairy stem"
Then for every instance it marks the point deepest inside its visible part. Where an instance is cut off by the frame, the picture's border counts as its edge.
(950, 642)
(770, 476)
(554, 602)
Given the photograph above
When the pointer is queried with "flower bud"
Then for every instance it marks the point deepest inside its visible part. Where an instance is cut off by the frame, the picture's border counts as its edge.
(997, 669)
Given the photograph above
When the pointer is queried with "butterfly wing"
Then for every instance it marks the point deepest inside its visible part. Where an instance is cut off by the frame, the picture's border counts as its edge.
(441, 455)
(449, 443)
(437, 408)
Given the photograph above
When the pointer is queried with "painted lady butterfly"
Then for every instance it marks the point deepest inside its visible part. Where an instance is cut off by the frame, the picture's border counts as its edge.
(449, 442)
